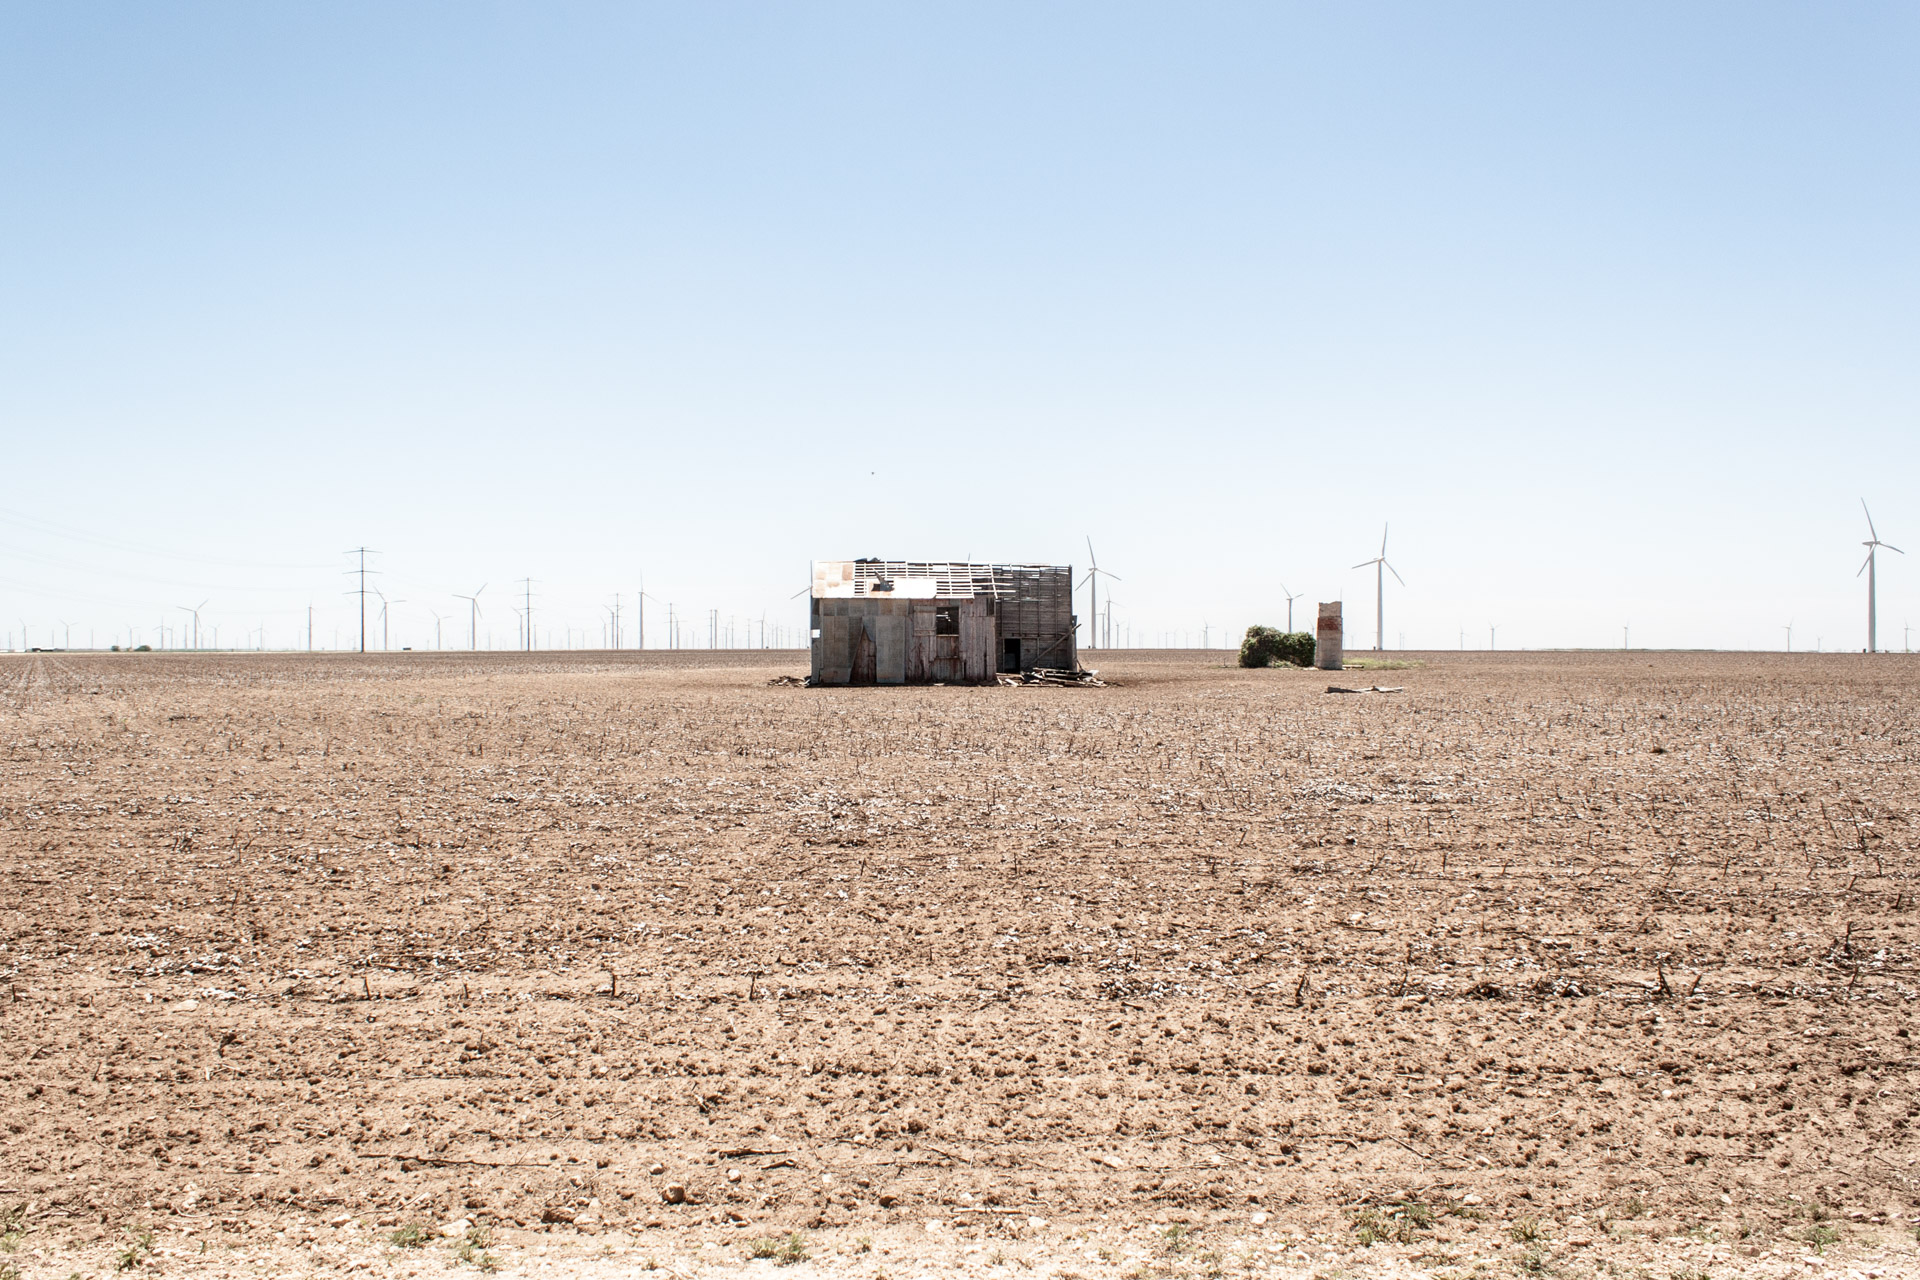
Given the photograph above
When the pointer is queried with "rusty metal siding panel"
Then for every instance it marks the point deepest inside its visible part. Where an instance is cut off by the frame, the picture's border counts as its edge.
(833, 578)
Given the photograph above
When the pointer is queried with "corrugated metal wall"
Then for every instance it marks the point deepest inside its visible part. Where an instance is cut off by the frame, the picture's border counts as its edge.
(879, 641)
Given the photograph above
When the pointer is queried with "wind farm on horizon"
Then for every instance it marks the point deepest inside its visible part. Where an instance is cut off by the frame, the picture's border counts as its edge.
(620, 620)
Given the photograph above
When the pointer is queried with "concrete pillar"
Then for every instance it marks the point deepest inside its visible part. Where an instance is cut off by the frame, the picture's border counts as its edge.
(1326, 640)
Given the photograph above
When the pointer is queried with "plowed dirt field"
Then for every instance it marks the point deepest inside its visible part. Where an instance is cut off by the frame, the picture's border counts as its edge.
(621, 942)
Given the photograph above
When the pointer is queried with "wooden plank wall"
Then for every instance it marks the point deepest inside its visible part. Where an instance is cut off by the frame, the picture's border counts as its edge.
(1040, 616)
(978, 641)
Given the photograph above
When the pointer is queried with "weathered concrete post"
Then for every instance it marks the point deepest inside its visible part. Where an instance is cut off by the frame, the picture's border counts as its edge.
(1326, 640)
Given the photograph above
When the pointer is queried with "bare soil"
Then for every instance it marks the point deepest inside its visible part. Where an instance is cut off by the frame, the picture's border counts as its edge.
(640, 946)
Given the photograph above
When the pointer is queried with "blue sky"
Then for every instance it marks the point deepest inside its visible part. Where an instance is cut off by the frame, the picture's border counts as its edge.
(1610, 310)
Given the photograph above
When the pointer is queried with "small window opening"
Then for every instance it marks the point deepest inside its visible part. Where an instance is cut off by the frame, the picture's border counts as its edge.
(946, 620)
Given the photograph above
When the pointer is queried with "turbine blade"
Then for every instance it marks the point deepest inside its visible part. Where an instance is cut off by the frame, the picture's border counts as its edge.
(1383, 542)
(1363, 564)
(1889, 546)
(1396, 573)
(1870, 529)
(1093, 559)
(1863, 565)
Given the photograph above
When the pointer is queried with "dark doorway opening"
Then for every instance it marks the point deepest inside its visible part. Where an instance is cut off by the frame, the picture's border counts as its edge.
(865, 653)
(1010, 655)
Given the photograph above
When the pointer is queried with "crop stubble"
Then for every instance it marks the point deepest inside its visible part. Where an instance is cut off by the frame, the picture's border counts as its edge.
(502, 932)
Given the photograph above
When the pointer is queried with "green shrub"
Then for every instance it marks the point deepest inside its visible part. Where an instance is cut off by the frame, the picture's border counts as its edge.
(1820, 1237)
(1402, 1222)
(1265, 646)
(410, 1236)
(783, 1250)
(130, 1257)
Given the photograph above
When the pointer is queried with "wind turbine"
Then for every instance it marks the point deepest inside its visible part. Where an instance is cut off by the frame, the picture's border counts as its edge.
(473, 616)
(1872, 545)
(436, 628)
(1789, 630)
(640, 599)
(1493, 635)
(1094, 574)
(384, 602)
(1291, 597)
(193, 609)
(1380, 571)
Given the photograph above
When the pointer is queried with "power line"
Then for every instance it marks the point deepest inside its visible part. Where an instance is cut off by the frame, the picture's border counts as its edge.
(361, 591)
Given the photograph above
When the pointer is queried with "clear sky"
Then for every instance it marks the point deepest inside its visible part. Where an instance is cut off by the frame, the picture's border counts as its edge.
(1609, 309)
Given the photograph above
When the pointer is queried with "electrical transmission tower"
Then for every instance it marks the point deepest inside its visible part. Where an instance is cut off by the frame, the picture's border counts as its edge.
(361, 572)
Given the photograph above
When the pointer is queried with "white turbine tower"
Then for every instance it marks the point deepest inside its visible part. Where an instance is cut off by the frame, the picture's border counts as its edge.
(1094, 574)
(473, 616)
(1873, 544)
(1380, 571)
(1291, 597)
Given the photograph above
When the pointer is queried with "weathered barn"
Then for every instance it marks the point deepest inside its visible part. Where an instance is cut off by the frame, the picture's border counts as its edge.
(906, 622)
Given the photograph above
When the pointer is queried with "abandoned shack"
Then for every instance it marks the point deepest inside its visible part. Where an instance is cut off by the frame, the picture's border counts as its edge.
(907, 622)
